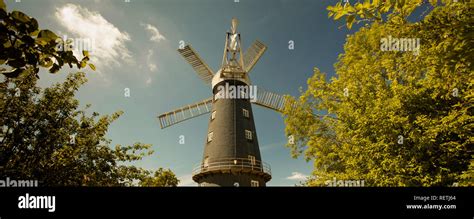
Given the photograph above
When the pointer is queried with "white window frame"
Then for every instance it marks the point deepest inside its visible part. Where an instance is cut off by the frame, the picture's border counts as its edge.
(210, 136)
(254, 183)
(213, 115)
(246, 113)
(252, 160)
(248, 134)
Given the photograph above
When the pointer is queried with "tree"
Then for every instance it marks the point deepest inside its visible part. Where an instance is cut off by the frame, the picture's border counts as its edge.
(43, 134)
(46, 137)
(374, 10)
(160, 178)
(393, 118)
(24, 48)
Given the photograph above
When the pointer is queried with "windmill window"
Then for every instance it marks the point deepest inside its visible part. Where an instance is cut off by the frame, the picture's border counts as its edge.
(210, 136)
(213, 115)
(246, 113)
(254, 183)
(248, 134)
(252, 159)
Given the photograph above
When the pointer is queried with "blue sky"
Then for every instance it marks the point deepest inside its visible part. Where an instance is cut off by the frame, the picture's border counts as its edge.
(135, 48)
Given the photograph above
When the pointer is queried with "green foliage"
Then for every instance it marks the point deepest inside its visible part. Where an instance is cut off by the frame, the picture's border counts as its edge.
(46, 137)
(161, 178)
(351, 125)
(24, 47)
(373, 10)
(43, 134)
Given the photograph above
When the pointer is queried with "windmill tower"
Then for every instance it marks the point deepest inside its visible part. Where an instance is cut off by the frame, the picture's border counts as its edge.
(231, 154)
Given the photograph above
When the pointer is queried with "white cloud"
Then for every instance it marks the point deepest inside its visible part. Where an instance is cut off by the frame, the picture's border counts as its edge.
(186, 180)
(108, 41)
(148, 81)
(297, 176)
(151, 65)
(156, 36)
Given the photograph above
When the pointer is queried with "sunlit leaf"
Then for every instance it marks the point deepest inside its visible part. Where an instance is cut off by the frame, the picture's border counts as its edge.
(47, 35)
(350, 21)
(92, 66)
(20, 16)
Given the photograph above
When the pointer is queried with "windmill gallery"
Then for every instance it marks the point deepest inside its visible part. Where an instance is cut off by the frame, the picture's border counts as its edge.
(231, 151)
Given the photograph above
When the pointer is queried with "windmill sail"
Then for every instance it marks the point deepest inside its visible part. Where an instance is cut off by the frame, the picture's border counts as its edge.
(270, 100)
(253, 54)
(185, 113)
(202, 69)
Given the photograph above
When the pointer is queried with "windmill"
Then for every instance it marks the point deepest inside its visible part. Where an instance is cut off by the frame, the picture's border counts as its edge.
(231, 153)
